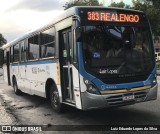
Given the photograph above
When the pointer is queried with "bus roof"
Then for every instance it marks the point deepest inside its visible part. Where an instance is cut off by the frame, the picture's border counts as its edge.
(67, 13)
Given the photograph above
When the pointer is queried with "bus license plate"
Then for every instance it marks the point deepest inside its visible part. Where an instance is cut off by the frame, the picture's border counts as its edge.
(128, 97)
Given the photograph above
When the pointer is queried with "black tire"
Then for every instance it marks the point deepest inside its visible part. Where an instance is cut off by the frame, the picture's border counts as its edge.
(15, 87)
(55, 100)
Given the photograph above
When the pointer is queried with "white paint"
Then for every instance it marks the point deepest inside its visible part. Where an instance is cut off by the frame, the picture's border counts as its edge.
(76, 88)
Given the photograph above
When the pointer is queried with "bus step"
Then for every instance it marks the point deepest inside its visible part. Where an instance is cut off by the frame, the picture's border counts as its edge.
(69, 103)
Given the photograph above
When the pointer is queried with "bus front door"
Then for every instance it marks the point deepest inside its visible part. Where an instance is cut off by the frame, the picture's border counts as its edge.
(65, 52)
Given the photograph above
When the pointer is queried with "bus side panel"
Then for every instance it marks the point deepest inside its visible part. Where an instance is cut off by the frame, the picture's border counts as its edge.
(53, 71)
(14, 69)
(44, 72)
(23, 84)
(31, 77)
(38, 73)
(26, 86)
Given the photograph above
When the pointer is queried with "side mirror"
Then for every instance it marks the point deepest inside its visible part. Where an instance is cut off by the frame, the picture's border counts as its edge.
(79, 32)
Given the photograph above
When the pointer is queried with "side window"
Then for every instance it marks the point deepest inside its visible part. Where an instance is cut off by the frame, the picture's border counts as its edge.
(22, 51)
(16, 53)
(5, 57)
(65, 54)
(47, 40)
(27, 49)
(70, 44)
(11, 54)
(33, 47)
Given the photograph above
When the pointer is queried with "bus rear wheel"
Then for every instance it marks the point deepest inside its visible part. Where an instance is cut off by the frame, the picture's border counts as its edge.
(15, 87)
(55, 100)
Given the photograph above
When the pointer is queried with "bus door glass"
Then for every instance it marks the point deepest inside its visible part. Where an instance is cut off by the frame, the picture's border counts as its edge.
(66, 64)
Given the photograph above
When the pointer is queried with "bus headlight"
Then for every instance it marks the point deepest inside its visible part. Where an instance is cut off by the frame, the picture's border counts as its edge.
(91, 88)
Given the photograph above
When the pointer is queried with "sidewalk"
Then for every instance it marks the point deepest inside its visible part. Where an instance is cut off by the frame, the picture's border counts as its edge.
(5, 116)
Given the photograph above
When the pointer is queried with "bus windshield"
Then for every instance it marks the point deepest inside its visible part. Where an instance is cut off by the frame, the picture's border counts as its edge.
(117, 50)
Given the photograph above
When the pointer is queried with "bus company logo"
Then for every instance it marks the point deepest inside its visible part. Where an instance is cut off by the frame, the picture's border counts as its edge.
(103, 87)
(34, 70)
(41, 70)
(108, 71)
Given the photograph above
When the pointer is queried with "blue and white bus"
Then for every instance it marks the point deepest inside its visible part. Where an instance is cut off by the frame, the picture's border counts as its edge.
(88, 58)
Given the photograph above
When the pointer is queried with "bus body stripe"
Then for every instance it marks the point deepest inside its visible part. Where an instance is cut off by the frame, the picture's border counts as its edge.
(35, 63)
(125, 90)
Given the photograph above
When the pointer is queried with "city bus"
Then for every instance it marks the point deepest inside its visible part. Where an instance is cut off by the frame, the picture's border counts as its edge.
(88, 58)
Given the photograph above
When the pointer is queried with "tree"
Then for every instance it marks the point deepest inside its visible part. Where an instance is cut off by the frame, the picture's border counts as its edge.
(156, 3)
(151, 9)
(1, 58)
(81, 3)
(120, 4)
(2, 40)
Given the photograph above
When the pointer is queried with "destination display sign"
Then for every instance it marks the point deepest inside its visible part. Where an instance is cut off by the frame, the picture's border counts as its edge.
(100, 15)
(107, 16)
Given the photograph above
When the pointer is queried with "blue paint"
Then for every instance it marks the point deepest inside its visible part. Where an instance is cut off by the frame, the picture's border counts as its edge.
(34, 63)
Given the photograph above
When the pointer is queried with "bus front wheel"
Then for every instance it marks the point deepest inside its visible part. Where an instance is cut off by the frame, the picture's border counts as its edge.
(15, 87)
(55, 100)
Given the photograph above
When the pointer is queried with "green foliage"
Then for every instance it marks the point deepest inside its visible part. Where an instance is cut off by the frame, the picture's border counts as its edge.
(120, 4)
(81, 3)
(156, 3)
(2, 40)
(151, 8)
(1, 58)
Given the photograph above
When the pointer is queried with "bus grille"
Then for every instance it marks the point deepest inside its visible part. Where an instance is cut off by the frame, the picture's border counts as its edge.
(118, 80)
(116, 100)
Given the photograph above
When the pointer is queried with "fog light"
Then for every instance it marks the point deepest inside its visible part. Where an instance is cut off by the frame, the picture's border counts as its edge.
(155, 80)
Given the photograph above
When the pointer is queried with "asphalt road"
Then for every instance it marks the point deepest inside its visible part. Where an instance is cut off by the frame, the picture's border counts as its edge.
(34, 110)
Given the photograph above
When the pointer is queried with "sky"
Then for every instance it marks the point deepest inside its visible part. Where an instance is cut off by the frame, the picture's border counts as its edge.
(108, 2)
(18, 17)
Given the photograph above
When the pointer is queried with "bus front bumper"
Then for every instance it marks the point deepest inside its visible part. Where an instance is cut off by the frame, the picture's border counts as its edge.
(92, 101)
